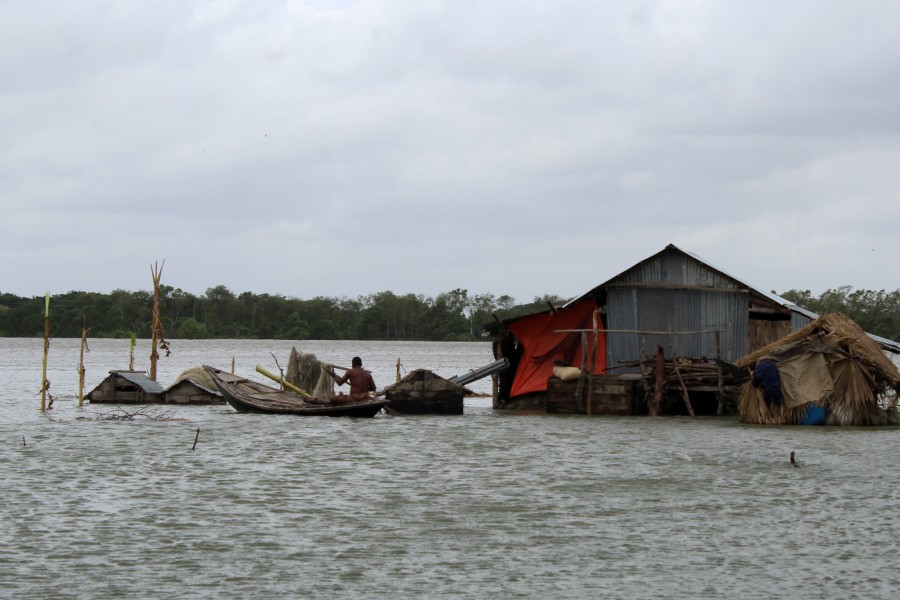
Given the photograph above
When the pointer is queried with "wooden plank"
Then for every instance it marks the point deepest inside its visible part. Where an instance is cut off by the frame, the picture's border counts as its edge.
(684, 392)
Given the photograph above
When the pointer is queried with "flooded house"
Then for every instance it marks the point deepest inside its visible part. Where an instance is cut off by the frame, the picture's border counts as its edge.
(193, 386)
(661, 337)
(422, 392)
(126, 387)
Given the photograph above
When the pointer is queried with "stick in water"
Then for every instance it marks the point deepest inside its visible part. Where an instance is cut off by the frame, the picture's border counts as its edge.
(196, 437)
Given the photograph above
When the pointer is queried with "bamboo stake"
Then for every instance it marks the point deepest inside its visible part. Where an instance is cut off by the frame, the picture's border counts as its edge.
(232, 364)
(156, 327)
(398, 369)
(720, 410)
(593, 363)
(44, 382)
(131, 352)
(579, 389)
(684, 391)
(81, 369)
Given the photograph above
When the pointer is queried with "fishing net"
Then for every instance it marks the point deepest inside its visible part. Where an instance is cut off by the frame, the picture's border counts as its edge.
(306, 372)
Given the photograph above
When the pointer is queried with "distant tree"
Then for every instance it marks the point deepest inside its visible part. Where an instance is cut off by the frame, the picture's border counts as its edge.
(191, 329)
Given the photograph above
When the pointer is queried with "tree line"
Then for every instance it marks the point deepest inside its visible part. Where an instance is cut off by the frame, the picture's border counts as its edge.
(219, 313)
(449, 316)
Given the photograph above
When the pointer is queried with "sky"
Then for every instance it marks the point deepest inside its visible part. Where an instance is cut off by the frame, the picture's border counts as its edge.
(508, 147)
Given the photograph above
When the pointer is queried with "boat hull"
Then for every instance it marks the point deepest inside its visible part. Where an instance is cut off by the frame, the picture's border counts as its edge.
(248, 396)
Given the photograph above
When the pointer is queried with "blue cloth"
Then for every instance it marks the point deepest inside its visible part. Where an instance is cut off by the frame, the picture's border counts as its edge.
(767, 377)
(815, 415)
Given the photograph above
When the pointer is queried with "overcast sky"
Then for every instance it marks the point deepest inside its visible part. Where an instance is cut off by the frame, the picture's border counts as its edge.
(343, 148)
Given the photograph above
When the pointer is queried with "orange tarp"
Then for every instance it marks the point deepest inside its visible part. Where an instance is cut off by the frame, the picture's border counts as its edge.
(542, 344)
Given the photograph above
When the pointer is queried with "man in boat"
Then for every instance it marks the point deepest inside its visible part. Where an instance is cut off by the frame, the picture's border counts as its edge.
(361, 381)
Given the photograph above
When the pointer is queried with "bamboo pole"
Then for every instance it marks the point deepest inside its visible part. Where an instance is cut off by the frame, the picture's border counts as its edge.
(720, 410)
(232, 364)
(81, 369)
(593, 362)
(156, 327)
(281, 380)
(684, 391)
(44, 382)
(398, 369)
(131, 352)
(579, 389)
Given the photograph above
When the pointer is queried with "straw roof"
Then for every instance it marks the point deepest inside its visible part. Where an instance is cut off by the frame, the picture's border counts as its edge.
(839, 331)
(831, 362)
(199, 377)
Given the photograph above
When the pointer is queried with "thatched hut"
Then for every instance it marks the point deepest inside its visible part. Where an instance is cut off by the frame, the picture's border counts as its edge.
(423, 392)
(830, 365)
(193, 386)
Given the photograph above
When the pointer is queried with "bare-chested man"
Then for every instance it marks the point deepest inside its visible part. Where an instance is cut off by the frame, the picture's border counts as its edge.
(361, 381)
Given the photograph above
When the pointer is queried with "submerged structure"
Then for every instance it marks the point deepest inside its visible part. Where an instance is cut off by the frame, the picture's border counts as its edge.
(193, 386)
(422, 392)
(126, 387)
(830, 372)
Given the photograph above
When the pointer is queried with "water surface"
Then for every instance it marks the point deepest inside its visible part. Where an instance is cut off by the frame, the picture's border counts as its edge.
(484, 505)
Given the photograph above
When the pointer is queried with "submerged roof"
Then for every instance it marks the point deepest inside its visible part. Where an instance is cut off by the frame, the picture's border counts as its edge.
(198, 377)
(140, 379)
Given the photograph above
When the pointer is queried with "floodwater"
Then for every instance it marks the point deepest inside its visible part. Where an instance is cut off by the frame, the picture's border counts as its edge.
(483, 505)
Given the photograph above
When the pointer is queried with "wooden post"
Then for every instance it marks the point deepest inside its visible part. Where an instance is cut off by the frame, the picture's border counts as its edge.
(590, 398)
(131, 351)
(684, 392)
(232, 364)
(398, 369)
(44, 383)
(157, 340)
(579, 390)
(654, 407)
(721, 393)
(156, 327)
(84, 332)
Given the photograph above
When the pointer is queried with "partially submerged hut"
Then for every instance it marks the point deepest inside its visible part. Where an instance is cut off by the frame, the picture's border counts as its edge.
(830, 367)
(126, 387)
(423, 392)
(193, 386)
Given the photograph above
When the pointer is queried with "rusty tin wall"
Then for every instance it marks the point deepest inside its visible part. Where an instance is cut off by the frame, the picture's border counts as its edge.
(674, 293)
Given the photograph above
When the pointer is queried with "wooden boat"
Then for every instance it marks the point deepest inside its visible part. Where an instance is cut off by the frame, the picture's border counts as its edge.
(245, 395)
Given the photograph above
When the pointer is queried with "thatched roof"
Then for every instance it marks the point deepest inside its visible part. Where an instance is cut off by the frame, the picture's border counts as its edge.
(199, 377)
(423, 378)
(833, 363)
(839, 331)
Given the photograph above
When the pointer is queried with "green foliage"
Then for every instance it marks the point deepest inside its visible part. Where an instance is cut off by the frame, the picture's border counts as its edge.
(876, 312)
(452, 316)
(191, 329)
(219, 313)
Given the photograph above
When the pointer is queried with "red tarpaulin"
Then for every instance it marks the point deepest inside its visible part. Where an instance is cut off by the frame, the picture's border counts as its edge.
(542, 344)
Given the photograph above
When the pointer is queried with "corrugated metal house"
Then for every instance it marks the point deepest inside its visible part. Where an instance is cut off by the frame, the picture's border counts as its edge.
(126, 387)
(672, 303)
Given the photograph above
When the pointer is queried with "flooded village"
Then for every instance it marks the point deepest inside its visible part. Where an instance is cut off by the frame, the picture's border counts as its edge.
(671, 335)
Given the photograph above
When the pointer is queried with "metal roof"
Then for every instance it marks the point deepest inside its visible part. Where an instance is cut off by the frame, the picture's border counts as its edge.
(140, 379)
(769, 295)
(886, 343)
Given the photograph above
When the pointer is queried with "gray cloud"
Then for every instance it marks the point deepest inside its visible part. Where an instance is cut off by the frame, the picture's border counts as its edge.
(345, 148)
